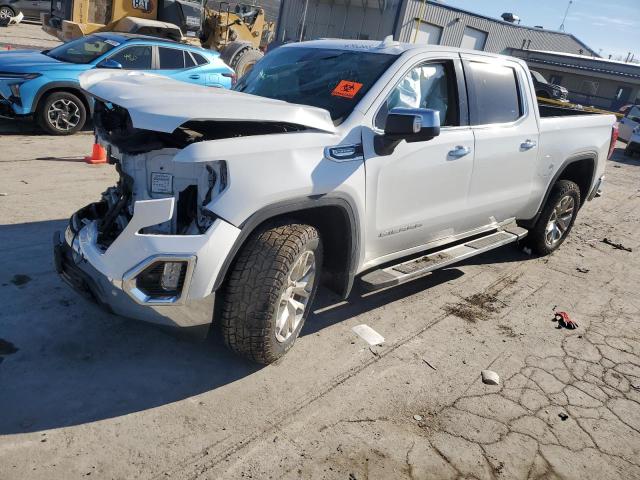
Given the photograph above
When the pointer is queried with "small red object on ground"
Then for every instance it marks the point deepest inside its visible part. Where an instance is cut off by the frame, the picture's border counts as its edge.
(564, 320)
(98, 154)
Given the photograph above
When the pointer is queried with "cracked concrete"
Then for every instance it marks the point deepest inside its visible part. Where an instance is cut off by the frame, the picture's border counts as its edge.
(88, 393)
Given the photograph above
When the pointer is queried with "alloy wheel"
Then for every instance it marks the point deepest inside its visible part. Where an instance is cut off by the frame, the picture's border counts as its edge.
(63, 114)
(295, 297)
(560, 220)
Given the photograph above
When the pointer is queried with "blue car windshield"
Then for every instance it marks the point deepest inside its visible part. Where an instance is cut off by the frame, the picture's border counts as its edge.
(83, 50)
(332, 79)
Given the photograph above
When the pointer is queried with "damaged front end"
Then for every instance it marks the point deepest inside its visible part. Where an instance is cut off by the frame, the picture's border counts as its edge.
(143, 249)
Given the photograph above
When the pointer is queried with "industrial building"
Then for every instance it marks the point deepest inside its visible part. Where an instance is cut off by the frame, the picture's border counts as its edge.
(421, 21)
(591, 81)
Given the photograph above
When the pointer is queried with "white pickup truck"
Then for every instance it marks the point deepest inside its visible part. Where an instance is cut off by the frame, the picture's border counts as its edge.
(332, 160)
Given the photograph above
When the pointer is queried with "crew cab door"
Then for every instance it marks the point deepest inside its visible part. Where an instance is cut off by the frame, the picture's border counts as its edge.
(418, 193)
(504, 122)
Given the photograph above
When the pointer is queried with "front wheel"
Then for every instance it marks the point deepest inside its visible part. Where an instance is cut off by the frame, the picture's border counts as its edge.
(557, 218)
(269, 292)
(61, 113)
(6, 12)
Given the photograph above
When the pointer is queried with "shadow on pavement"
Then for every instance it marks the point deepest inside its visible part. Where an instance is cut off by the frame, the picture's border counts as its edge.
(76, 364)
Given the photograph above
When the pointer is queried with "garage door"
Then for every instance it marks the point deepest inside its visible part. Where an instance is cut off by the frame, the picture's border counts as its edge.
(428, 33)
(473, 39)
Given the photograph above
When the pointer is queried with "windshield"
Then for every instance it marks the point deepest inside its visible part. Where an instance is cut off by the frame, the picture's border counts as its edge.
(83, 50)
(332, 79)
(538, 77)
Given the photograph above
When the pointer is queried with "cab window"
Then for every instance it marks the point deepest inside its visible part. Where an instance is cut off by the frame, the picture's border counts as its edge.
(429, 85)
(137, 57)
(494, 93)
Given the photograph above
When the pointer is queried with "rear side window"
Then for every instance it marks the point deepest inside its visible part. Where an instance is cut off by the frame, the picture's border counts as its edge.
(188, 60)
(171, 58)
(494, 95)
(199, 58)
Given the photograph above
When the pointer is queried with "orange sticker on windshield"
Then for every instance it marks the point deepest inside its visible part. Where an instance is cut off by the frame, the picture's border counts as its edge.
(346, 89)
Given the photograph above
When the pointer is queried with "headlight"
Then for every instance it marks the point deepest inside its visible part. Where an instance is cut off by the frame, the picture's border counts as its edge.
(19, 76)
(15, 90)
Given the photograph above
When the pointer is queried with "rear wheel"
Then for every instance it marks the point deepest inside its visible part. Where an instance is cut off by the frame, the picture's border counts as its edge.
(269, 292)
(556, 219)
(61, 113)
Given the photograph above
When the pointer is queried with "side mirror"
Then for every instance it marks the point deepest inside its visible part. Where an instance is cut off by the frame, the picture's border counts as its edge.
(108, 63)
(410, 124)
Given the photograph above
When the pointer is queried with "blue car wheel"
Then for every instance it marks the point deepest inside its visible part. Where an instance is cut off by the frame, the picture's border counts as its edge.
(61, 113)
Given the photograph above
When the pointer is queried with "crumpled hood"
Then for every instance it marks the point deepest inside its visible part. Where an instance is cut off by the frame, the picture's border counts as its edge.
(163, 104)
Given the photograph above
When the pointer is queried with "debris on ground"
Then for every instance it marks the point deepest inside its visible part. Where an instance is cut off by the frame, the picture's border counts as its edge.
(564, 321)
(5, 22)
(427, 362)
(7, 348)
(617, 246)
(3, 194)
(489, 377)
(527, 250)
(563, 416)
(368, 334)
(636, 387)
(583, 270)
(417, 418)
(20, 279)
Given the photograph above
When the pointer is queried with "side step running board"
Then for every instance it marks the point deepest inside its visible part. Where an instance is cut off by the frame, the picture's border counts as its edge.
(407, 271)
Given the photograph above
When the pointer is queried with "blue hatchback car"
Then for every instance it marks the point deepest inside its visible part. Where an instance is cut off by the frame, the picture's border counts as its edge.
(45, 84)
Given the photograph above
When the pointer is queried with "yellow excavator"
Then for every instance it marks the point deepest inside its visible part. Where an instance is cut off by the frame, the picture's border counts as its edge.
(240, 33)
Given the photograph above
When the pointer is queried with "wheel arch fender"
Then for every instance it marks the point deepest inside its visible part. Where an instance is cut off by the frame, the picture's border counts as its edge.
(336, 218)
(581, 169)
(63, 86)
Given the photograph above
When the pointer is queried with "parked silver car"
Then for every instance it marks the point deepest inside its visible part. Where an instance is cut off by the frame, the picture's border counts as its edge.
(30, 8)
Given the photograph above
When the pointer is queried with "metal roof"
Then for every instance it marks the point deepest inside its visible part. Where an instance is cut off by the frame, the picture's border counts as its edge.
(579, 62)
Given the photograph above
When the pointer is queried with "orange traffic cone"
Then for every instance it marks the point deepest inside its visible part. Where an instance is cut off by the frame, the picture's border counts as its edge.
(98, 154)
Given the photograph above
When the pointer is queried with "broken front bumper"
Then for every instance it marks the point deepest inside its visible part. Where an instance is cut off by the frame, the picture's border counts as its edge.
(108, 276)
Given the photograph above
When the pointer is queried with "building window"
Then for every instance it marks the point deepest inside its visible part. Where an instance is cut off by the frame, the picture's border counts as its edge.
(428, 33)
(473, 39)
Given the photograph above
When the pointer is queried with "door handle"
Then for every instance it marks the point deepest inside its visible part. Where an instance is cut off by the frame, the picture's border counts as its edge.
(528, 145)
(459, 152)
(194, 77)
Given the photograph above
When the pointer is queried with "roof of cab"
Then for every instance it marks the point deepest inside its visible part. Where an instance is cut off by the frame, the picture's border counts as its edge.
(387, 46)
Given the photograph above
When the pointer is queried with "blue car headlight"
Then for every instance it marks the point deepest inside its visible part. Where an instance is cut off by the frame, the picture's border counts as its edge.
(19, 76)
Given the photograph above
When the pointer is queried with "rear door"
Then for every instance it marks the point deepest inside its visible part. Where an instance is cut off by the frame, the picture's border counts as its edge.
(418, 194)
(178, 64)
(505, 128)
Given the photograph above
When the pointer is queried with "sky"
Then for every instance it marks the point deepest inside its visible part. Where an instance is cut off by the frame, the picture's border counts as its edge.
(610, 27)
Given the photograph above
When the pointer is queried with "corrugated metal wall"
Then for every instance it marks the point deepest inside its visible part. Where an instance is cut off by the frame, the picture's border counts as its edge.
(337, 19)
(501, 35)
(375, 19)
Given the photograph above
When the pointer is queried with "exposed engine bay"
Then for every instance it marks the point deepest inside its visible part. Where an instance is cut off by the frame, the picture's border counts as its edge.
(115, 126)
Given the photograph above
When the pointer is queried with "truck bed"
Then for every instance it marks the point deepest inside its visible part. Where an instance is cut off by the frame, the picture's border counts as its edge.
(555, 111)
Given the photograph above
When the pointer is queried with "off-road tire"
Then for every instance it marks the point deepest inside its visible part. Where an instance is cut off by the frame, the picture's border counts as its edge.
(536, 237)
(252, 292)
(43, 108)
(244, 60)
